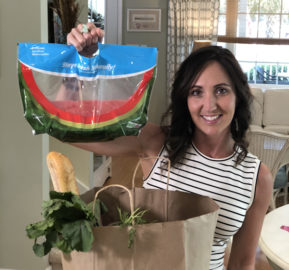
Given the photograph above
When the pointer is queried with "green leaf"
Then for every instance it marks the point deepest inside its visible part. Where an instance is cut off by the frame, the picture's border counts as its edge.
(131, 236)
(39, 228)
(99, 209)
(61, 209)
(132, 219)
(41, 249)
(49, 207)
(79, 234)
(97, 212)
(52, 237)
(78, 203)
(67, 196)
(63, 245)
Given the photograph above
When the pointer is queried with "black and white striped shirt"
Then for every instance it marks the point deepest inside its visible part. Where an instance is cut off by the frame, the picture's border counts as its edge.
(231, 187)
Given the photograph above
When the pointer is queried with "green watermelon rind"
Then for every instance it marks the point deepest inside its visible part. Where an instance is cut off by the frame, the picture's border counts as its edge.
(42, 122)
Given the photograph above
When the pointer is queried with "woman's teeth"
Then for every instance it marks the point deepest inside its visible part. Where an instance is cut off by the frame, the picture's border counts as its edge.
(210, 118)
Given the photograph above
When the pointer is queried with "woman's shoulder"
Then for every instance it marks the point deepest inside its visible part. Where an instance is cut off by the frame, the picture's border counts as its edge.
(264, 185)
(264, 173)
(265, 177)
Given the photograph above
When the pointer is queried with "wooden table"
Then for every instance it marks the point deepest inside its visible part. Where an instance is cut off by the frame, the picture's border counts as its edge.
(274, 241)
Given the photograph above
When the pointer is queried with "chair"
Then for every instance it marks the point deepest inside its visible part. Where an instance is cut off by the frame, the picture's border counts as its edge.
(273, 150)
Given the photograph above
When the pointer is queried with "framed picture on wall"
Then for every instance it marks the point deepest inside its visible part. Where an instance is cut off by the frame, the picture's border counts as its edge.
(143, 20)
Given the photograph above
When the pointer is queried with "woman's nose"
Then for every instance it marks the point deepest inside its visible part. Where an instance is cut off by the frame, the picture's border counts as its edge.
(210, 102)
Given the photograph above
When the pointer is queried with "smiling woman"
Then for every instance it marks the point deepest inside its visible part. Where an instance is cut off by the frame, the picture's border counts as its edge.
(205, 141)
(203, 135)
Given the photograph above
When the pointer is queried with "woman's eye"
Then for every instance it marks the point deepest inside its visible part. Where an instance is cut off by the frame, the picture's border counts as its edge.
(195, 92)
(222, 91)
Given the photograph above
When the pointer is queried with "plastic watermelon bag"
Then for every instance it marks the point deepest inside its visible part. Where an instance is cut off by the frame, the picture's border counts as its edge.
(79, 99)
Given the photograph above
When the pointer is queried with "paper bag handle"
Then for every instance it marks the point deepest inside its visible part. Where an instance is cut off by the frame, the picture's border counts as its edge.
(115, 185)
(156, 157)
(168, 179)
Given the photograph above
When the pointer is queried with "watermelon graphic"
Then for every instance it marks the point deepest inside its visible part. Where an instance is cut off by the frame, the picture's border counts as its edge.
(79, 99)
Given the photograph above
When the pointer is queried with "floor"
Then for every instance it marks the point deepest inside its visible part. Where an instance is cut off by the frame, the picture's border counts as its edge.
(122, 172)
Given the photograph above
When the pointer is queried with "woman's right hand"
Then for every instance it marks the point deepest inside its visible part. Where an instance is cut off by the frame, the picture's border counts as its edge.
(85, 42)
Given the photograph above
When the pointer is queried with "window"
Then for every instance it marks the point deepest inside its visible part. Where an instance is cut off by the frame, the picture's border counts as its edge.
(96, 12)
(257, 32)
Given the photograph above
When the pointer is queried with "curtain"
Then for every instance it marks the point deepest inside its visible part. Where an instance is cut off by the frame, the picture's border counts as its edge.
(188, 20)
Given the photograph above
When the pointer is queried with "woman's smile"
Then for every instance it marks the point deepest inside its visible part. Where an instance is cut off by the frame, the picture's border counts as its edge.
(211, 119)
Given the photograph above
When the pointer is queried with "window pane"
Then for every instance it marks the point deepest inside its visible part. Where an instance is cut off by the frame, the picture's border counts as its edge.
(253, 6)
(246, 52)
(266, 73)
(270, 6)
(285, 26)
(272, 53)
(283, 74)
(243, 6)
(222, 25)
(285, 7)
(262, 63)
(249, 70)
(223, 6)
(247, 25)
(269, 26)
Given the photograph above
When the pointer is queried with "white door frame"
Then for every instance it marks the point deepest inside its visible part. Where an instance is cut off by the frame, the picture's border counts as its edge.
(113, 21)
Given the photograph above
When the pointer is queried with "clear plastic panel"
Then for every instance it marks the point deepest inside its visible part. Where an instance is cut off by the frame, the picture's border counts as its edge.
(87, 97)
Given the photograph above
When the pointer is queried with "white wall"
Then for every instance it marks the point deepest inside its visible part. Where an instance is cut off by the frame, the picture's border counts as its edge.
(22, 155)
(22, 161)
(20, 152)
(158, 101)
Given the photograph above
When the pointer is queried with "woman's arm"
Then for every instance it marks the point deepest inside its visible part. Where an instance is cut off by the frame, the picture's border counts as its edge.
(245, 242)
(147, 143)
(126, 145)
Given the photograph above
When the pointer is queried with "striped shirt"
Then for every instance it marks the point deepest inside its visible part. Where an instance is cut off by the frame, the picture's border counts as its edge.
(231, 187)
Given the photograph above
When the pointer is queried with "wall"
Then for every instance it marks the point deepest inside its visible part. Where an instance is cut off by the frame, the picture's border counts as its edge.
(158, 102)
(20, 154)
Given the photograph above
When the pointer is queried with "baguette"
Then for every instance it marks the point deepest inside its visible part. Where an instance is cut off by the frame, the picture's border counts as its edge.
(62, 173)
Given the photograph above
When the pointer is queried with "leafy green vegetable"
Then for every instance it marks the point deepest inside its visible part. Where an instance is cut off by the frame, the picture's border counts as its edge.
(99, 208)
(67, 224)
(129, 220)
(78, 235)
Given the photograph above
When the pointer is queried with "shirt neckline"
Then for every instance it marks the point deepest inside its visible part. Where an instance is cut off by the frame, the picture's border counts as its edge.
(214, 159)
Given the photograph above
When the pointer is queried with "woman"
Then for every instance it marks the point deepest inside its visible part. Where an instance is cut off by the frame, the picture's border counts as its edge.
(205, 142)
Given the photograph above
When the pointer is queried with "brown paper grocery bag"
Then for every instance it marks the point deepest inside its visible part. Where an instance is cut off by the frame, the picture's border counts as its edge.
(178, 237)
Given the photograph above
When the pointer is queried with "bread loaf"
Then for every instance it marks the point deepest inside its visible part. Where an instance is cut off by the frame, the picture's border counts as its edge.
(62, 173)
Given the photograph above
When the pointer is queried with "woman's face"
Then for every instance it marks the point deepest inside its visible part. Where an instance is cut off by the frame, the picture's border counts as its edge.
(212, 101)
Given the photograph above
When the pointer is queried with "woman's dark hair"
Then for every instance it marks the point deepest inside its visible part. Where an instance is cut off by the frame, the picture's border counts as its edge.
(181, 128)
